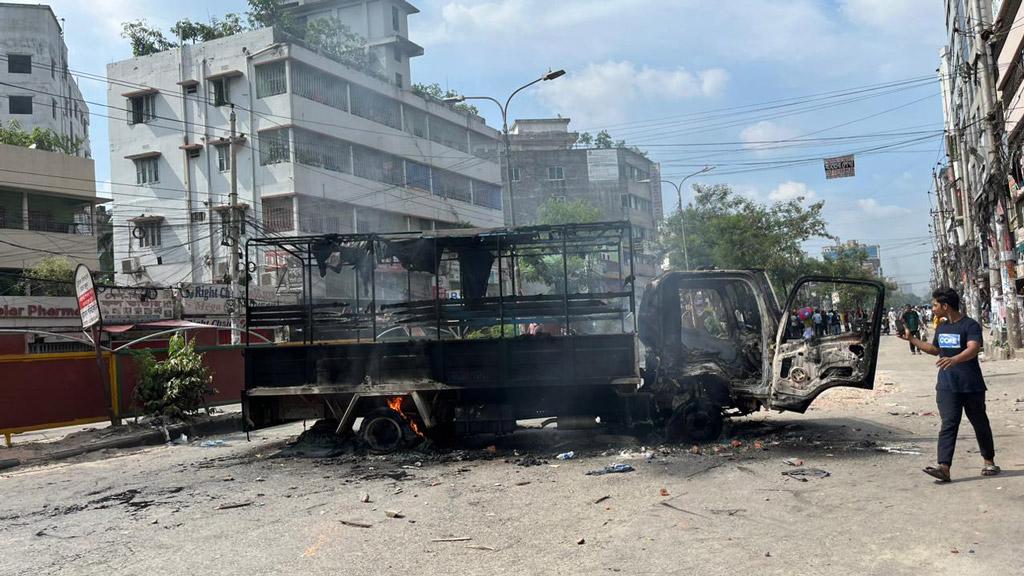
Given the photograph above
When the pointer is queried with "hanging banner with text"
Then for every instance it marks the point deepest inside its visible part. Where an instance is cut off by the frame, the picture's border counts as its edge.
(88, 305)
(839, 167)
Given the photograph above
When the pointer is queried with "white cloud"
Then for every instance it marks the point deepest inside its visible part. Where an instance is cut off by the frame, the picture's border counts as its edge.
(894, 16)
(791, 190)
(872, 208)
(610, 92)
(761, 135)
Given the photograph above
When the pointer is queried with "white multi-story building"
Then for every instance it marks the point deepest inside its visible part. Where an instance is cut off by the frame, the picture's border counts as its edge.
(329, 149)
(36, 88)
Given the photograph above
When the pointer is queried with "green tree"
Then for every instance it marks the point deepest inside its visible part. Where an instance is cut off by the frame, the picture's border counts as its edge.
(188, 31)
(726, 230)
(51, 276)
(267, 13)
(603, 139)
(144, 39)
(435, 91)
(40, 138)
(176, 387)
(582, 269)
(586, 139)
(105, 241)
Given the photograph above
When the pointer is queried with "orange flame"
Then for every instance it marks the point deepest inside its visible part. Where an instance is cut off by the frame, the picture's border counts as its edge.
(395, 403)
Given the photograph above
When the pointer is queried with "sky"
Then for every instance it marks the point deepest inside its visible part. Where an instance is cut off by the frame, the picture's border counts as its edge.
(692, 82)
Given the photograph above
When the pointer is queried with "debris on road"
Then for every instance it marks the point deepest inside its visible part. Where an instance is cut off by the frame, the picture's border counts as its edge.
(664, 492)
(394, 514)
(581, 541)
(527, 461)
(231, 505)
(793, 461)
(364, 498)
(601, 499)
(355, 524)
(453, 539)
(678, 509)
(611, 469)
(736, 443)
(908, 450)
(566, 455)
(212, 444)
(479, 547)
(802, 474)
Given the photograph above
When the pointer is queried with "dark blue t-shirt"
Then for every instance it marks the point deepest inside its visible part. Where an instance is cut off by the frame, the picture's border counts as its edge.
(951, 338)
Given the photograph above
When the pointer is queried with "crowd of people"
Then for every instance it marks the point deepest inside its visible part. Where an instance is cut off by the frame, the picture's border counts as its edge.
(810, 323)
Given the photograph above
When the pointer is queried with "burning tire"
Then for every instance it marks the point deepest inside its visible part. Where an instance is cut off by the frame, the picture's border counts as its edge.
(385, 430)
(697, 421)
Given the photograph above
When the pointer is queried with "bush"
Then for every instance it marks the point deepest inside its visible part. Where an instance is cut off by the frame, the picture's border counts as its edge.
(176, 387)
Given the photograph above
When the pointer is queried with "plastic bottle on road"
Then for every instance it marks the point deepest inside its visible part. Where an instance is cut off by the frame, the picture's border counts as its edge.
(566, 456)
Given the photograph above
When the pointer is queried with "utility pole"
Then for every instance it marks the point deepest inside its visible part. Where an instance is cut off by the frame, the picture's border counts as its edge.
(234, 230)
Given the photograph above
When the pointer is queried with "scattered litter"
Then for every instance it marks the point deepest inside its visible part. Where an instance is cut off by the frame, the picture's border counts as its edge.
(929, 413)
(183, 439)
(912, 451)
(664, 492)
(677, 508)
(802, 474)
(793, 461)
(612, 469)
(601, 499)
(566, 455)
(234, 505)
(355, 524)
(228, 479)
(767, 554)
(479, 547)
(492, 449)
(758, 445)
(364, 498)
(695, 449)
(736, 443)
(581, 541)
(728, 511)
(453, 539)
(527, 461)
(394, 514)
(259, 478)
(954, 551)
(522, 483)
(212, 444)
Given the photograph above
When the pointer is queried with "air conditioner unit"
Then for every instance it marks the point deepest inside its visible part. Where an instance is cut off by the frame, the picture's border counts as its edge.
(268, 279)
(132, 266)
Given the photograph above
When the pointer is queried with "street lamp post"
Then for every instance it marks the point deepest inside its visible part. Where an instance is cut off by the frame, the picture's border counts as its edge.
(679, 196)
(504, 130)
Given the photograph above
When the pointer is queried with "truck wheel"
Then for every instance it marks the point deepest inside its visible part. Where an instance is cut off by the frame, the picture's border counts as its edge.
(697, 421)
(384, 431)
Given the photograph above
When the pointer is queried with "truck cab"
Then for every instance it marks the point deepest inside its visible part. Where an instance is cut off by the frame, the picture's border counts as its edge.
(718, 343)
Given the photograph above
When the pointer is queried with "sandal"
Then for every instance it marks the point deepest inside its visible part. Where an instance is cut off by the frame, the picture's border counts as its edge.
(990, 470)
(937, 473)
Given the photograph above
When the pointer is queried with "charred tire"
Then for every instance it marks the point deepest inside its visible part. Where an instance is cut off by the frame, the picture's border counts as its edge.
(384, 431)
(698, 421)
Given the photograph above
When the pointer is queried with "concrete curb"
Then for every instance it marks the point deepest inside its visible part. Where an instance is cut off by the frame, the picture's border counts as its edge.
(215, 425)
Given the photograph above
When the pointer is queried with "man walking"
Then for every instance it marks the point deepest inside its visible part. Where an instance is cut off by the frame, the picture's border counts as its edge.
(960, 387)
(912, 324)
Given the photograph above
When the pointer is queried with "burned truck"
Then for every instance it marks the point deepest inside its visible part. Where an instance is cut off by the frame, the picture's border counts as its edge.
(442, 333)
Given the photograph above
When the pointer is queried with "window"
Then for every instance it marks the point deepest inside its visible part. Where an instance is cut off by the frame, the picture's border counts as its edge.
(192, 89)
(417, 175)
(319, 86)
(270, 79)
(448, 133)
(274, 147)
(515, 175)
(278, 214)
(556, 173)
(20, 104)
(147, 233)
(396, 53)
(19, 64)
(415, 121)
(314, 149)
(223, 157)
(53, 108)
(376, 107)
(219, 88)
(199, 216)
(193, 152)
(487, 195)
(376, 165)
(395, 18)
(147, 170)
(450, 185)
(398, 79)
(141, 109)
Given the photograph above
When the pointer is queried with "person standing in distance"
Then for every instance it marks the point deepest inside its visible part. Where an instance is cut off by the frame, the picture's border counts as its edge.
(912, 323)
(960, 387)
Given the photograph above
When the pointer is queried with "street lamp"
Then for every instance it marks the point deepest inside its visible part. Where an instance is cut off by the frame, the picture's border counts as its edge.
(679, 195)
(551, 75)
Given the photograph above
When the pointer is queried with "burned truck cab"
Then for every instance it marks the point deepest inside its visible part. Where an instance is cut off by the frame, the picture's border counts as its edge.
(717, 343)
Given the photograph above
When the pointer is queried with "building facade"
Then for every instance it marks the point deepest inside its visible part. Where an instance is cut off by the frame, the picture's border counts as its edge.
(36, 88)
(47, 208)
(328, 149)
(872, 255)
(621, 183)
(977, 216)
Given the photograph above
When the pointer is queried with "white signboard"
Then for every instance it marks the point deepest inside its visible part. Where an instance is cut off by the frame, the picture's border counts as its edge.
(136, 305)
(88, 304)
(39, 312)
(215, 299)
(603, 165)
(840, 167)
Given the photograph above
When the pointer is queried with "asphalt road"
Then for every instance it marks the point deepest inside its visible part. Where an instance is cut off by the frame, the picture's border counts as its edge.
(245, 509)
